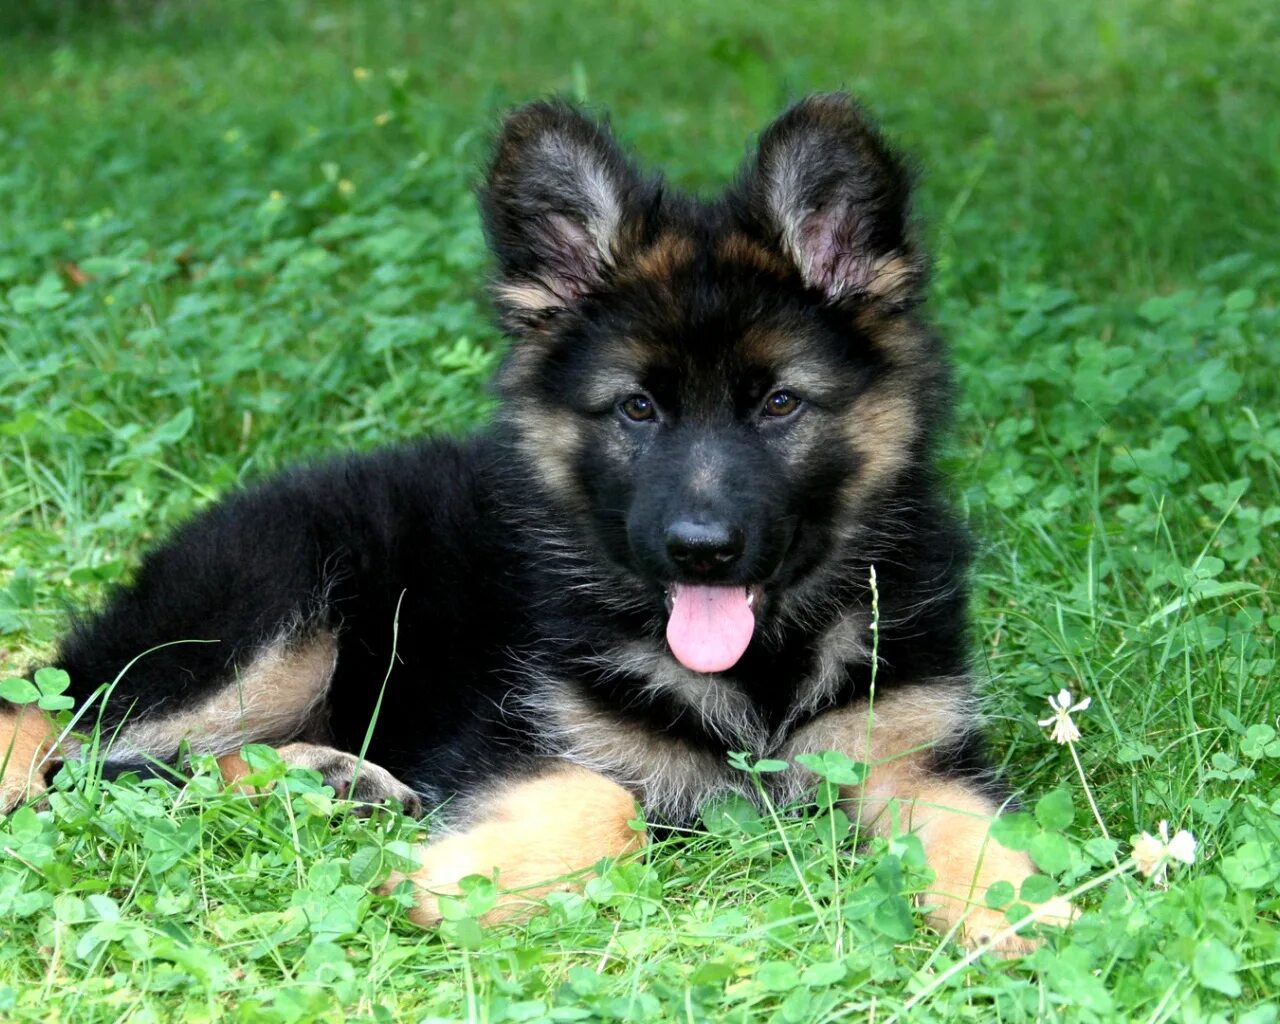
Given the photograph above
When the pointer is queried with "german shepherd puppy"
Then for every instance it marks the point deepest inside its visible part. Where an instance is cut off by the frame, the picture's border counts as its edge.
(718, 419)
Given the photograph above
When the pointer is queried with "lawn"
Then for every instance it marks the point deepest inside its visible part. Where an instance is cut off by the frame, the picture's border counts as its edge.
(236, 234)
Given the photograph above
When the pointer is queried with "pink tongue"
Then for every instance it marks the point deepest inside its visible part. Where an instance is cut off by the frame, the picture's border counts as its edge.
(709, 627)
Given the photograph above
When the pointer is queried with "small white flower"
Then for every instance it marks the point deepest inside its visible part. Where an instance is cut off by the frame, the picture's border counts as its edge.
(1148, 853)
(1152, 854)
(1064, 729)
(1183, 847)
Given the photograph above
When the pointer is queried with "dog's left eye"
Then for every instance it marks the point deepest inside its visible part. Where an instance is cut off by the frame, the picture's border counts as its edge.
(639, 408)
(781, 403)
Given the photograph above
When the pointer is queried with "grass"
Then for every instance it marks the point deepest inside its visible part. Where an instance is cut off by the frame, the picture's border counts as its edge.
(239, 234)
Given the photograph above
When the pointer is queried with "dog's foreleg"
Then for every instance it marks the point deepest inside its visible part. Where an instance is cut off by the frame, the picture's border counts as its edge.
(912, 786)
(534, 834)
(952, 818)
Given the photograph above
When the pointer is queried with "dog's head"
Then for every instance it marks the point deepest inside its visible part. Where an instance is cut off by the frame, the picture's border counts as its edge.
(720, 390)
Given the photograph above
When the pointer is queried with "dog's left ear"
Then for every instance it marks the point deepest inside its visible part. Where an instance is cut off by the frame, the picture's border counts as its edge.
(559, 204)
(828, 191)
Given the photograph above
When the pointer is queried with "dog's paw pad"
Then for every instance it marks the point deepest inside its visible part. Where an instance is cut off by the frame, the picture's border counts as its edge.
(981, 927)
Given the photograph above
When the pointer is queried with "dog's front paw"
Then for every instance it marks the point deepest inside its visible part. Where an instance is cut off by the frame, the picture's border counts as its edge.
(537, 835)
(540, 836)
(976, 926)
(445, 862)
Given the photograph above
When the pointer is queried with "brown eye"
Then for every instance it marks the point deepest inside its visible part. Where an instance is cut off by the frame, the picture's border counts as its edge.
(781, 403)
(638, 408)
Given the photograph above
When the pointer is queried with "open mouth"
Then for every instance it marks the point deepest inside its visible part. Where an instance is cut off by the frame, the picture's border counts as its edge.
(710, 627)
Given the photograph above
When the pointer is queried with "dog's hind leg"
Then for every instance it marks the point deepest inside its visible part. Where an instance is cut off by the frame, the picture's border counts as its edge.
(536, 835)
(280, 693)
(226, 634)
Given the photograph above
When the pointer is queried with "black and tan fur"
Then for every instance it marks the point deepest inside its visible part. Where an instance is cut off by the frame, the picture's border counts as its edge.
(732, 397)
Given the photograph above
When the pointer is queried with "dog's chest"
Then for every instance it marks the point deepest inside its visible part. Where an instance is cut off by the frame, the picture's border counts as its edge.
(673, 774)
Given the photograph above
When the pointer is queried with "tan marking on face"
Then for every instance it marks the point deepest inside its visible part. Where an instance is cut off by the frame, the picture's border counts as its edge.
(772, 348)
(789, 357)
(551, 440)
(737, 248)
(897, 736)
(902, 340)
(881, 427)
(533, 833)
(807, 377)
(26, 740)
(668, 254)
(271, 699)
(520, 366)
(613, 384)
(526, 296)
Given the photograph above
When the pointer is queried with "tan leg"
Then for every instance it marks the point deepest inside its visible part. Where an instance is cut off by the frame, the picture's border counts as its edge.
(905, 793)
(352, 779)
(26, 739)
(533, 834)
(952, 821)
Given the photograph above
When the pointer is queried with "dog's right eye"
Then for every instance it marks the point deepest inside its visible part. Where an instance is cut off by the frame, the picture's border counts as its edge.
(781, 404)
(638, 408)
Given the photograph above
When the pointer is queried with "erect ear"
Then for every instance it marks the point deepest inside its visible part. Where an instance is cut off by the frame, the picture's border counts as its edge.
(559, 202)
(832, 195)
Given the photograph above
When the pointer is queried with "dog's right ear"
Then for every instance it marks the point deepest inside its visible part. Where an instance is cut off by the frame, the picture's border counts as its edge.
(559, 203)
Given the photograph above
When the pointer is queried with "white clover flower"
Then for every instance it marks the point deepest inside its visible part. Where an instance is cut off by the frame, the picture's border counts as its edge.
(1152, 854)
(1064, 729)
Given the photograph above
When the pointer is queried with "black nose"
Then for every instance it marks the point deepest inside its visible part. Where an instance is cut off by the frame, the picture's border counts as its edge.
(702, 548)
